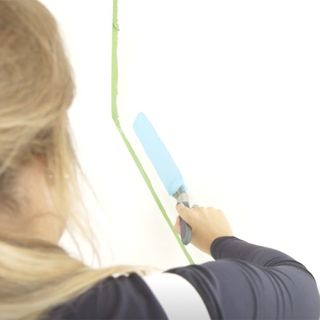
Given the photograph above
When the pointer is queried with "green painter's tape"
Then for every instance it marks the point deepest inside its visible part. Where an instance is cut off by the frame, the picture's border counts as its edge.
(115, 117)
(114, 79)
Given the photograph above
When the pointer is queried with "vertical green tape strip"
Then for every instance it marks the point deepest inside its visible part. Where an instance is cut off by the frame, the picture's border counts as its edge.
(115, 117)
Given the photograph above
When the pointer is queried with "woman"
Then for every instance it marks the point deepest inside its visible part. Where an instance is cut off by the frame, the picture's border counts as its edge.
(38, 194)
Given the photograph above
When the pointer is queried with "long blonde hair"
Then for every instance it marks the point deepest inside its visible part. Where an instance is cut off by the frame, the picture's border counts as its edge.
(36, 90)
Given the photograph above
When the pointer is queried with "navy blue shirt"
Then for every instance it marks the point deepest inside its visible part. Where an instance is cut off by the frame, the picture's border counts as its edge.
(245, 282)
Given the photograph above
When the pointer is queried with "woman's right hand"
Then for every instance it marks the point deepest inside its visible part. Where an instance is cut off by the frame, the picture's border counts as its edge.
(207, 225)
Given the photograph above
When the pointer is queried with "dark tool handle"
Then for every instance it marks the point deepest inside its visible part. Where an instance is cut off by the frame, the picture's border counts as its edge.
(185, 229)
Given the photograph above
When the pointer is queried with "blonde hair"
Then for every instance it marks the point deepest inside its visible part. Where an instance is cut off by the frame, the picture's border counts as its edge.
(36, 90)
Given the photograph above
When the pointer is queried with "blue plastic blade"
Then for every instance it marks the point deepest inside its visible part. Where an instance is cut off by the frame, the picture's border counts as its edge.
(158, 154)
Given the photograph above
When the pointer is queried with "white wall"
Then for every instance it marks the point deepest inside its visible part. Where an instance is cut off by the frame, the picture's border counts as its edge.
(233, 89)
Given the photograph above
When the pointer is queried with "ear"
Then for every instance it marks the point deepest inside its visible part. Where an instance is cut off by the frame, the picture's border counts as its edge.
(41, 158)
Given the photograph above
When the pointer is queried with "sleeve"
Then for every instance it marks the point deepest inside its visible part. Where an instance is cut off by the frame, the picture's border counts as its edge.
(245, 282)
(252, 282)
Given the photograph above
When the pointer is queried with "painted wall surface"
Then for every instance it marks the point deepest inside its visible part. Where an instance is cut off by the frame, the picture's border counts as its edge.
(232, 88)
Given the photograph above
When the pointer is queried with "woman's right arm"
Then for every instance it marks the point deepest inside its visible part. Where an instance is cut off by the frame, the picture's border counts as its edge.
(246, 281)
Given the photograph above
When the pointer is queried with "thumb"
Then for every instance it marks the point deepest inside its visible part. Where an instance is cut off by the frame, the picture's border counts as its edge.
(176, 226)
(184, 213)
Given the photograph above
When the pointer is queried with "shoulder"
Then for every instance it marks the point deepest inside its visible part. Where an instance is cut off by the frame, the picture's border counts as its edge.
(122, 297)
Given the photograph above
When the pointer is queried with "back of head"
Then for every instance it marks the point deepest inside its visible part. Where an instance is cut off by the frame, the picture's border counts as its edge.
(36, 90)
(36, 85)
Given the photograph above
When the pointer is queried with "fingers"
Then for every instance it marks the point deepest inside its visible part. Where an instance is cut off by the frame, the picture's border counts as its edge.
(184, 213)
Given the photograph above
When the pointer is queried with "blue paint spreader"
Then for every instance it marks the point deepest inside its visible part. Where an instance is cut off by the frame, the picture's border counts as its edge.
(165, 167)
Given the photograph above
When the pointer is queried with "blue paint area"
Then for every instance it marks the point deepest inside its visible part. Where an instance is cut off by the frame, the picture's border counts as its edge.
(158, 154)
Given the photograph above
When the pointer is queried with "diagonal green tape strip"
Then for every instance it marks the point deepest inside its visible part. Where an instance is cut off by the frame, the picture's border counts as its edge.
(115, 117)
